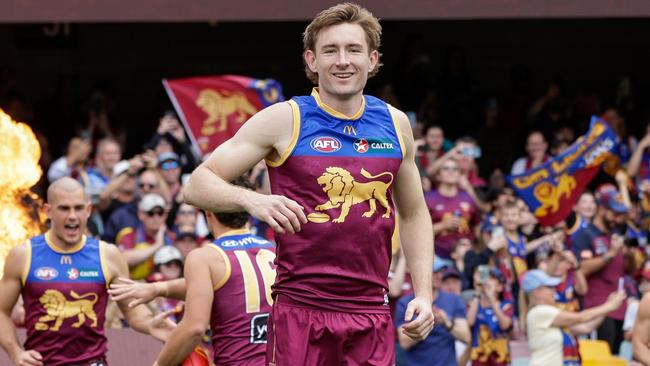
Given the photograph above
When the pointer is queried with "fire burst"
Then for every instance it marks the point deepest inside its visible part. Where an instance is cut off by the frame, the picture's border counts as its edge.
(20, 213)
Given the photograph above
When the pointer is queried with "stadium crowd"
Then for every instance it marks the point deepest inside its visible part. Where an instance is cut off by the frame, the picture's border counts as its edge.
(493, 259)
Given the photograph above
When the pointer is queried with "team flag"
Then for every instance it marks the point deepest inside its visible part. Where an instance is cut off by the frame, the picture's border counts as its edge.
(550, 190)
(213, 108)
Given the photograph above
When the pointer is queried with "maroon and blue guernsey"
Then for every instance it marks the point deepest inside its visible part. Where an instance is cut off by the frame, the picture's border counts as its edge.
(65, 297)
(341, 170)
(242, 299)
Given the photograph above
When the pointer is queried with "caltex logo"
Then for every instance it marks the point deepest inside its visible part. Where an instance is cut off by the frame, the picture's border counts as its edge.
(73, 273)
(361, 146)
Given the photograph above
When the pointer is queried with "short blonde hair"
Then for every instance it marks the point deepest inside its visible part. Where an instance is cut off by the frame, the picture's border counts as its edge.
(339, 14)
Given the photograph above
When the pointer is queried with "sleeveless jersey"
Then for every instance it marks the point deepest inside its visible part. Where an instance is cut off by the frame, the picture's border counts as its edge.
(64, 292)
(341, 170)
(242, 300)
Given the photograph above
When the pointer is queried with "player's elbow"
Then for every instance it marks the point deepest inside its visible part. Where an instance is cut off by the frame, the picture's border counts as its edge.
(196, 330)
(189, 193)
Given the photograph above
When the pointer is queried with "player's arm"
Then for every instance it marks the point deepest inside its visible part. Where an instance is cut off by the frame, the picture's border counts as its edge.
(416, 235)
(139, 317)
(196, 318)
(141, 293)
(10, 287)
(641, 332)
(267, 131)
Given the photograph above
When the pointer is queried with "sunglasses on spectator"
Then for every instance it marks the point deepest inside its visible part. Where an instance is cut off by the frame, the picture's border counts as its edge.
(153, 213)
(169, 165)
(147, 185)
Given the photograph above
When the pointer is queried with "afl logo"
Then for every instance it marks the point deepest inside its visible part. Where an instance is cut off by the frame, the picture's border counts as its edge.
(46, 273)
(325, 144)
(361, 145)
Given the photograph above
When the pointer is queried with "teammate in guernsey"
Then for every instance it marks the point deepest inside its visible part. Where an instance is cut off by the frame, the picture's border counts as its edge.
(342, 173)
(63, 277)
(227, 286)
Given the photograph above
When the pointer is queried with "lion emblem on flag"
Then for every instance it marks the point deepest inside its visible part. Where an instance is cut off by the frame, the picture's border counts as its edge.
(58, 308)
(221, 105)
(549, 195)
(344, 191)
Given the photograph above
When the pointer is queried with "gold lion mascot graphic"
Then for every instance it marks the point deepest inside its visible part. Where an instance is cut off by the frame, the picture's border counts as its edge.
(343, 191)
(549, 195)
(487, 346)
(219, 106)
(58, 308)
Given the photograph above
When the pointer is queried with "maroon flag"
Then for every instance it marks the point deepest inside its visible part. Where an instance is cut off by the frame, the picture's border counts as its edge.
(213, 108)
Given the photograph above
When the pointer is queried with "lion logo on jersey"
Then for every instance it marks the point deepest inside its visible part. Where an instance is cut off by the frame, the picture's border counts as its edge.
(344, 191)
(58, 309)
(487, 346)
(219, 106)
(549, 195)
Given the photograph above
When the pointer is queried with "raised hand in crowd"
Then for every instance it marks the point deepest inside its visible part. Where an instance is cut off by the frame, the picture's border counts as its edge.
(169, 124)
(150, 159)
(78, 152)
(635, 161)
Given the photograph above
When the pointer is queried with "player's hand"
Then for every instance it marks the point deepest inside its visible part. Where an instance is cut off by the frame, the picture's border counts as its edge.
(420, 327)
(160, 327)
(280, 213)
(127, 289)
(29, 358)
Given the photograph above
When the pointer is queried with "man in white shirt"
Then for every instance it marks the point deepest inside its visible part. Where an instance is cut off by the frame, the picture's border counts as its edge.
(545, 321)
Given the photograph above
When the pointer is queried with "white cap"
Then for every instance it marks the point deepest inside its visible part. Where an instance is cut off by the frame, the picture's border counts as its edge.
(167, 254)
(151, 200)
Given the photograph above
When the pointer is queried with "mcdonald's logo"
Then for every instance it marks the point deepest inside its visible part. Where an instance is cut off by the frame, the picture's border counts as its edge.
(349, 130)
(66, 259)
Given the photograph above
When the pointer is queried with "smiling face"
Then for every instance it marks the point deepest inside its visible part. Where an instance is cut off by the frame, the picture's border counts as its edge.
(342, 60)
(68, 212)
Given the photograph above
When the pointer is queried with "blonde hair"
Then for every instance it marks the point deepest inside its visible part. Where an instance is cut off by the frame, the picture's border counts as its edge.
(339, 14)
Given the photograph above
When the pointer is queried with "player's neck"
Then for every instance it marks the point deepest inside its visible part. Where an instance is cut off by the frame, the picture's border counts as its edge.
(56, 241)
(345, 104)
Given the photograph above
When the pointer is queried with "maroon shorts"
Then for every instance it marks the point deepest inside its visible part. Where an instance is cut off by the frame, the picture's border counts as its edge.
(303, 336)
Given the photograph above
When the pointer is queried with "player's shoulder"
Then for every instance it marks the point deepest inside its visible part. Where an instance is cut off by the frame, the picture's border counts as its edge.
(275, 114)
(110, 250)
(15, 260)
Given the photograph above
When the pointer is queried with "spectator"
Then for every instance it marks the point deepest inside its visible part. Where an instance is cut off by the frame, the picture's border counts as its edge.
(583, 212)
(138, 244)
(451, 325)
(107, 154)
(453, 211)
(536, 147)
(601, 248)
(73, 161)
(490, 317)
(633, 304)
(451, 281)
(564, 265)
(149, 181)
(168, 265)
(546, 323)
(639, 164)
(170, 137)
(511, 249)
(186, 240)
(458, 258)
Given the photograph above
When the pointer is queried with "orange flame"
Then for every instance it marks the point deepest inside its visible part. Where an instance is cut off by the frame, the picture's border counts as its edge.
(20, 214)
